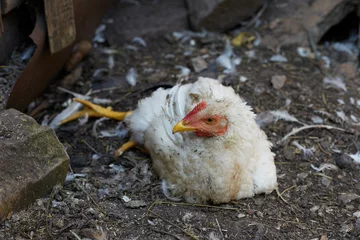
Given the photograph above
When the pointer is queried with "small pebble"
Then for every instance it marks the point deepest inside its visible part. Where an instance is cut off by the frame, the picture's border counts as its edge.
(343, 160)
(278, 81)
(199, 64)
(348, 197)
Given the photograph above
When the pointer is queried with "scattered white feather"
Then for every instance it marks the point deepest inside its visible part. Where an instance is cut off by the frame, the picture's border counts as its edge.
(352, 100)
(307, 152)
(84, 120)
(327, 61)
(243, 79)
(187, 35)
(165, 188)
(227, 59)
(131, 47)
(250, 54)
(354, 118)
(100, 29)
(101, 100)
(71, 109)
(358, 102)
(325, 166)
(341, 115)
(56, 204)
(356, 214)
(224, 61)
(139, 41)
(96, 156)
(45, 121)
(29, 51)
(288, 102)
(336, 82)
(278, 58)
(192, 42)
(228, 52)
(340, 101)
(99, 34)
(77, 95)
(346, 47)
(265, 118)
(303, 52)
(117, 168)
(355, 157)
(119, 131)
(109, 51)
(284, 115)
(71, 176)
(131, 77)
(111, 62)
(100, 71)
(126, 199)
(237, 61)
(184, 71)
(178, 35)
(258, 40)
(213, 236)
(97, 124)
(317, 120)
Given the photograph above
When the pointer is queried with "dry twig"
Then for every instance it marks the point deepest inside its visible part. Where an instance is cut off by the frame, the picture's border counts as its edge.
(222, 234)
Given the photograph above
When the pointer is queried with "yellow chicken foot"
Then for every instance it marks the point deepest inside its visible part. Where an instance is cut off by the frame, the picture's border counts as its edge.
(126, 146)
(82, 113)
(93, 110)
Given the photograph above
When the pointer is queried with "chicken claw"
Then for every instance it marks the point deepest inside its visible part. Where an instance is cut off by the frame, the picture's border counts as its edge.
(93, 110)
(126, 146)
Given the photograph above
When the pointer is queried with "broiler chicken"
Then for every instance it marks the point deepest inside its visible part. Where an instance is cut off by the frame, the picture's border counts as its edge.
(203, 142)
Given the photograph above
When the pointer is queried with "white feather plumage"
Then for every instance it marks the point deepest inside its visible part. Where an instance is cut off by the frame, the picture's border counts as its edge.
(236, 165)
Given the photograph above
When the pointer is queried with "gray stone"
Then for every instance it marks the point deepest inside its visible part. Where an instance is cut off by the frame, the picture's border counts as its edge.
(343, 160)
(199, 64)
(32, 161)
(135, 204)
(278, 81)
(287, 24)
(348, 197)
(145, 18)
(220, 15)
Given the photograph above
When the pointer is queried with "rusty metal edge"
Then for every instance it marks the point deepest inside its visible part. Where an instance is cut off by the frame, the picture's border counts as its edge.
(43, 67)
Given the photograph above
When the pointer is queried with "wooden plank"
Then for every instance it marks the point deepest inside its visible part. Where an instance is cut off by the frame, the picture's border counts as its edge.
(1, 23)
(60, 23)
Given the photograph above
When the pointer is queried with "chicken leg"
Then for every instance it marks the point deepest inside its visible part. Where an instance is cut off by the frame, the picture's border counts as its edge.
(93, 110)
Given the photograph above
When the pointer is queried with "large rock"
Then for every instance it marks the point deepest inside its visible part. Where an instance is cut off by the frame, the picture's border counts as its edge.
(220, 15)
(32, 161)
(288, 24)
(145, 18)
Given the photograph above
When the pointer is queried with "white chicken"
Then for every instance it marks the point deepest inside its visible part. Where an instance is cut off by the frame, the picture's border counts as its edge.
(203, 142)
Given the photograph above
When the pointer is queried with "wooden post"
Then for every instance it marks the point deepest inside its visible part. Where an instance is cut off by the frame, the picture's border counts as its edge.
(60, 24)
(1, 23)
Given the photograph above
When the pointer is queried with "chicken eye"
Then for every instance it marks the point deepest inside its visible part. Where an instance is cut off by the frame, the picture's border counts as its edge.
(210, 120)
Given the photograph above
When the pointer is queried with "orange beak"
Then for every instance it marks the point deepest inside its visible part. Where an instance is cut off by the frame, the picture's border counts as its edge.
(183, 127)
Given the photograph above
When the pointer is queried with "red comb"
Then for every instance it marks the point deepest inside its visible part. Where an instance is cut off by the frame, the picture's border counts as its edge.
(201, 106)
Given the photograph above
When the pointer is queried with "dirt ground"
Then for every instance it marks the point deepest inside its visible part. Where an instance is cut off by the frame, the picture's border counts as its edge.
(122, 198)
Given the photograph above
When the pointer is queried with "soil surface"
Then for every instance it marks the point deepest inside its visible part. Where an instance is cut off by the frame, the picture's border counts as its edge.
(122, 198)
